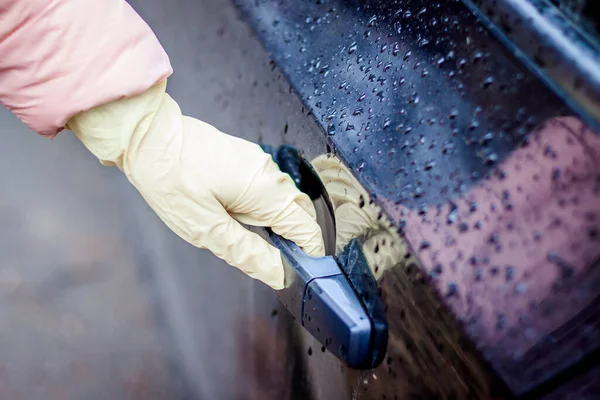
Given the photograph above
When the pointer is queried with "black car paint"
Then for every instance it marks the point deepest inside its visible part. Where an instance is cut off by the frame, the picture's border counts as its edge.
(422, 103)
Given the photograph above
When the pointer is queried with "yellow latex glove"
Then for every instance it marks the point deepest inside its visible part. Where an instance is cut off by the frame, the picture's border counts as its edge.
(201, 182)
(356, 216)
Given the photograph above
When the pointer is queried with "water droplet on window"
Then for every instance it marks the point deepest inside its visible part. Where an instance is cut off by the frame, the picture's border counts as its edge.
(353, 47)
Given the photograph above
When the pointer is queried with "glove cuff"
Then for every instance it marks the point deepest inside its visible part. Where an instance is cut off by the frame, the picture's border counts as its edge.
(114, 130)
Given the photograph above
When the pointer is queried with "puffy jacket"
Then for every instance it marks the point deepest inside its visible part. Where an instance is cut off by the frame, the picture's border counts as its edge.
(61, 57)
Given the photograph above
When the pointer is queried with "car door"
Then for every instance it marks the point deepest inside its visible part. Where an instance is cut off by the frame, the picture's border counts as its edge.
(481, 157)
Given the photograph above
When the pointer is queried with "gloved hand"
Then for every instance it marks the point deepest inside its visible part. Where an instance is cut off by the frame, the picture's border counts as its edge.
(356, 216)
(201, 182)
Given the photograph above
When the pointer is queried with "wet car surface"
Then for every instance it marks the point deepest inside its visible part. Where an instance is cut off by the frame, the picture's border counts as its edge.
(490, 175)
(480, 165)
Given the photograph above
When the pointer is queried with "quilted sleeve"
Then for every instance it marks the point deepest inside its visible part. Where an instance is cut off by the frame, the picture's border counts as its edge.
(61, 57)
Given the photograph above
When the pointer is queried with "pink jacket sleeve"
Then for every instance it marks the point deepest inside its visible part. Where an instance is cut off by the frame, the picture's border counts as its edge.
(61, 57)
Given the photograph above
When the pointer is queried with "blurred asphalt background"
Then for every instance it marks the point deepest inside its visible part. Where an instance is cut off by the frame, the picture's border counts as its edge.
(98, 299)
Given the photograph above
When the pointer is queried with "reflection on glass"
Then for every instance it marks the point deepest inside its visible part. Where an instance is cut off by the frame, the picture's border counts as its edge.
(358, 217)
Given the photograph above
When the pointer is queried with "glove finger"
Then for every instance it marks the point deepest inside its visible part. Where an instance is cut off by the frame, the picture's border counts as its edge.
(295, 224)
(274, 201)
(306, 204)
(247, 251)
(285, 185)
